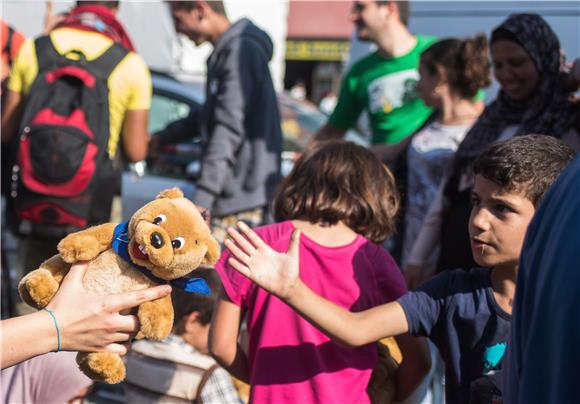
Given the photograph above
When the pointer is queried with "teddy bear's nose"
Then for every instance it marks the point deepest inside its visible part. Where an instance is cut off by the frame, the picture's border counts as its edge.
(157, 240)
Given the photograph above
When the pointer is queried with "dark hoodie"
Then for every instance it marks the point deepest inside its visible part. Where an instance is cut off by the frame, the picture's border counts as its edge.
(241, 123)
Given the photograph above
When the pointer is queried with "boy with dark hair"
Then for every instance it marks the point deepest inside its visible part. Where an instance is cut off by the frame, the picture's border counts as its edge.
(465, 314)
(179, 368)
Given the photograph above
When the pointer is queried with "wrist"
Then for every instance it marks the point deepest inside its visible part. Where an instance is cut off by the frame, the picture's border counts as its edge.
(293, 293)
(46, 331)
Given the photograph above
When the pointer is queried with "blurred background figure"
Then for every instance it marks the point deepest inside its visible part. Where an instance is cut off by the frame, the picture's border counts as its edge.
(239, 121)
(298, 91)
(11, 41)
(328, 102)
(451, 73)
(180, 368)
(88, 31)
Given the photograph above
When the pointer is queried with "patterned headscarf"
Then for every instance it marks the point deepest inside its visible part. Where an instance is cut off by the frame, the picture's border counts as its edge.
(549, 112)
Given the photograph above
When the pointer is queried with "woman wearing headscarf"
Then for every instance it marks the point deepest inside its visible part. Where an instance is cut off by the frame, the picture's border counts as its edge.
(526, 58)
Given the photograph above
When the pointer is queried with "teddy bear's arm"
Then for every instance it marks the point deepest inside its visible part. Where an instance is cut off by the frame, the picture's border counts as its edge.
(156, 318)
(86, 244)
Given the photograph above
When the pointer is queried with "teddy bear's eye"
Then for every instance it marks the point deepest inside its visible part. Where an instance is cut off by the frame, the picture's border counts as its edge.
(159, 219)
(178, 243)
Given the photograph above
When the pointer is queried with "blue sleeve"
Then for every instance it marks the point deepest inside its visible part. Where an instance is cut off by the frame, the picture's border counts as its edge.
(424, 306)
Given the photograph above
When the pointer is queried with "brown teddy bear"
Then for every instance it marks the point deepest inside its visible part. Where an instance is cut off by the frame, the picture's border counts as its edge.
(164, 241)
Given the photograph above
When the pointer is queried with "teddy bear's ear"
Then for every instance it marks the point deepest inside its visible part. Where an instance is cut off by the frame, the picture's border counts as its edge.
(171, 193)
(213, 252)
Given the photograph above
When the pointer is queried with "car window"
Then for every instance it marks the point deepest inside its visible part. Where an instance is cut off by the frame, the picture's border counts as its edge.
(164, 110)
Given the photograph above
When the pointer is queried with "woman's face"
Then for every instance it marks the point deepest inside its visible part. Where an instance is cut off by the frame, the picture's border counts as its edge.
(426, 86)
(515, 70)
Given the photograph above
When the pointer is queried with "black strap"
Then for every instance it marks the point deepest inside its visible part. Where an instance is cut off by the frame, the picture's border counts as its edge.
(104, 65)
(46, 54)
(8, 45)
(203, 381)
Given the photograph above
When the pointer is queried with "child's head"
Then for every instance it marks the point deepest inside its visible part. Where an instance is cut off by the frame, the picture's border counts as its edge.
(340, 181)
(193, 311)
(457, 67)
(511, 177)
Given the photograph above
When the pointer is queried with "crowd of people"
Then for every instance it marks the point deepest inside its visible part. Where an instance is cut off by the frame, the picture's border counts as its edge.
(451, 238)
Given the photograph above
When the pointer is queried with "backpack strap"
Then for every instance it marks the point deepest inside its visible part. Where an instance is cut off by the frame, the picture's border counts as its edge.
(203, 381)
(104, 65)
(46, 53)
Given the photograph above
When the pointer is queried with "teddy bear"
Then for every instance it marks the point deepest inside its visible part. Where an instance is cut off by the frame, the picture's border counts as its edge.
(382, 387)
(163, 241)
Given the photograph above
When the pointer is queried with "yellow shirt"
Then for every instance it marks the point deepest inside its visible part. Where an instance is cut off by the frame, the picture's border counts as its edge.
(129, 84)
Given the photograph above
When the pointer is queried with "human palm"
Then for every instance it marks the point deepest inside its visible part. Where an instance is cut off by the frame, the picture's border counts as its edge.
(276, 272)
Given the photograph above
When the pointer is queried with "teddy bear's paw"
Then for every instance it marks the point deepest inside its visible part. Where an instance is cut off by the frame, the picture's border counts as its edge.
(156, 329)
(38, 288)
(105, 366)
(156, 319)
(77, 247)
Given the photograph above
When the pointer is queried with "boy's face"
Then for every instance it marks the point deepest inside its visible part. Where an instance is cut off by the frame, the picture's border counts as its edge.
(189, 23)
(498, 224)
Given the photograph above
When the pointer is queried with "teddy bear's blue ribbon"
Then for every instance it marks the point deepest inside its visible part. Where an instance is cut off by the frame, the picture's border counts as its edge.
(121, 246)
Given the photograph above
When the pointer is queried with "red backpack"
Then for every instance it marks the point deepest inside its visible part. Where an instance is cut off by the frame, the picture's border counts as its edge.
(63, 179)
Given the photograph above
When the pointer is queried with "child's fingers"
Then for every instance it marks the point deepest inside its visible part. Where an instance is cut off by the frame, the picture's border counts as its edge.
(294, 243)
(236, 252)
(238, 266)
(241, 241)
(251, 235)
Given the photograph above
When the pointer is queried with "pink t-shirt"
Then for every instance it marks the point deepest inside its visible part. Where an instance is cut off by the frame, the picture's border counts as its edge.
(290, 360)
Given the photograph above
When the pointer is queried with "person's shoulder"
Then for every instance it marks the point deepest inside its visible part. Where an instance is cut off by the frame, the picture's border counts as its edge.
(454, 281)
(276, 234)
(365, 63)
(424, 41)
(375, 252)
(134, 60)
(462, 277)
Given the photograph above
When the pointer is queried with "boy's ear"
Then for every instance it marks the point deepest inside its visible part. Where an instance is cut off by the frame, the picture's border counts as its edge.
(190, 321)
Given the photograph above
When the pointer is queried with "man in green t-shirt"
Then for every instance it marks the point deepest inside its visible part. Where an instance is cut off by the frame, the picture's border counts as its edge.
(382, 83)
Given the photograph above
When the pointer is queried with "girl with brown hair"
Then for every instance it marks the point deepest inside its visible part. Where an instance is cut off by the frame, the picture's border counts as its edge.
(344, 200)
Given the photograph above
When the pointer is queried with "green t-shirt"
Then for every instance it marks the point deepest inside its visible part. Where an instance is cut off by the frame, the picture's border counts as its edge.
(385, 87)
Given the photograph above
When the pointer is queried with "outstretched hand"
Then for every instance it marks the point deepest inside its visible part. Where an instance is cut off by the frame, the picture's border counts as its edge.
(277, 273)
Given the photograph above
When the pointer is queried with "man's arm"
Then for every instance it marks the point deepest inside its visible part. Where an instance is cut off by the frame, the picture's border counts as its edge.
(11, 114)
(278, 273)
(135, 134)
(176, 132)
(223, 338)
(328, 132)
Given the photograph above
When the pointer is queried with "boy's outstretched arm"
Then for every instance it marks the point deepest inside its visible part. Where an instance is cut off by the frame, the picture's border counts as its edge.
(278, 273)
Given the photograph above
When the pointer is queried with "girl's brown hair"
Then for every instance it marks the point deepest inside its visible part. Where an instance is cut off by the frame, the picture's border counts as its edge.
(464, 61)
(340, 181)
